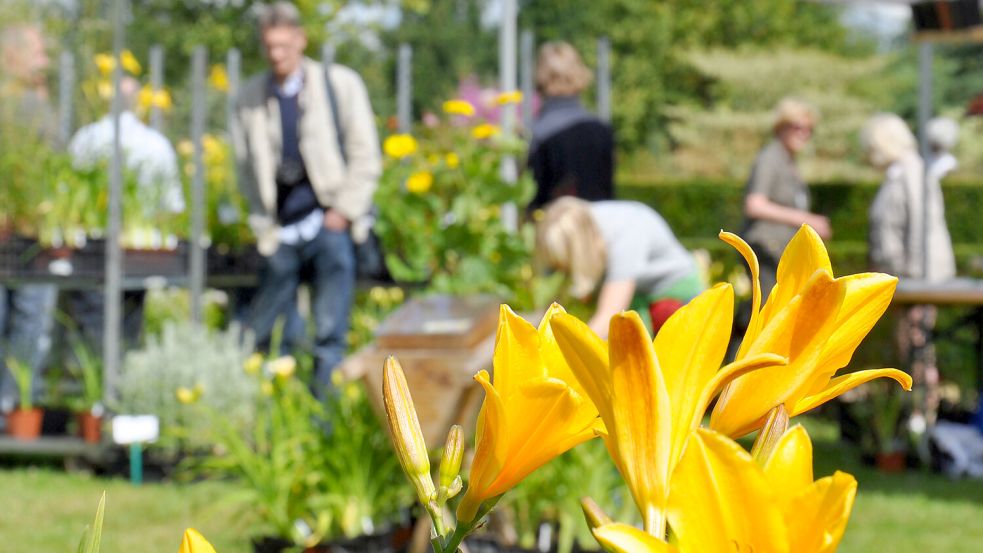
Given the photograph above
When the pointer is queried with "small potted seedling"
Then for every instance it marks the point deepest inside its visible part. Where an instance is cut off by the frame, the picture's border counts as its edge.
(89, 406)
(24, 422)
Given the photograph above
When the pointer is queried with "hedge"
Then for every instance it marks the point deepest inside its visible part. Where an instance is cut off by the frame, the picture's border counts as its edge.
(697, 209)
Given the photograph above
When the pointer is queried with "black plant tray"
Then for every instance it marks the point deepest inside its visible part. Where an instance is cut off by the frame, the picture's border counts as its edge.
(25, 258)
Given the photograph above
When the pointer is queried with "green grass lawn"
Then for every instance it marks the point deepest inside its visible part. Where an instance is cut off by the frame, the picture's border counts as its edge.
(46, 510)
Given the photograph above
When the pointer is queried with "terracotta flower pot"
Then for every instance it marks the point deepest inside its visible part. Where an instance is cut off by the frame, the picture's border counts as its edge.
(25, 424)
(90, 427)
(892, 462)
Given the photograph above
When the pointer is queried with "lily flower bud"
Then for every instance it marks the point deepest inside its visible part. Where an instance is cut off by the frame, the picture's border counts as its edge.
(770, 434)
(593, 513)
(404, 429)
(450, 462)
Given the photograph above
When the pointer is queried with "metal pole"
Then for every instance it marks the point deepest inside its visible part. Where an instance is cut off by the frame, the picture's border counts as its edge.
(327, 55)
(604, 79)
(404, 88)
(197, 253)
(925, 55)
(233, 63)
(507, 81)
(527, 43)
(113, 291)
(156, 83)
(66, 83)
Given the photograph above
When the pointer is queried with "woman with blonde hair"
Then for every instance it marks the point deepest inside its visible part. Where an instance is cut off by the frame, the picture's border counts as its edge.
(572, 151)
(625, 250)
(908, 237)
(776, 198)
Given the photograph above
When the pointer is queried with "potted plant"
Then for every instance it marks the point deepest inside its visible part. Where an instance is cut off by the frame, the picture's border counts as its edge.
(24, 422)
(875, 411)
(89, 408)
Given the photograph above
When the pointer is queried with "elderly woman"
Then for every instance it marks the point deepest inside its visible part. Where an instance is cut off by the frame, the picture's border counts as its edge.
(908, 237)
(623, 248)
(776, 199)
(572, 151)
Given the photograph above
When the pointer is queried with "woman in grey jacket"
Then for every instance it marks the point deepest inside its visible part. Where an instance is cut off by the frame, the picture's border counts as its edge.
(908, 237)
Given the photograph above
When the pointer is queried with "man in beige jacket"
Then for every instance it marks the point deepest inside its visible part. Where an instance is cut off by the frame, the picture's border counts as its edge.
(307, 178)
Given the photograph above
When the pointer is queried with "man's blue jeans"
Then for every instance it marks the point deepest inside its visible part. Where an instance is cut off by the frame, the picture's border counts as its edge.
(327, 262)
(26, 317)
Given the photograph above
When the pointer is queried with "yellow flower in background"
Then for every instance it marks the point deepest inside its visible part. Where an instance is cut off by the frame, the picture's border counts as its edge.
(459, 107)
(484, 130)
(188, 396)
(419, 182)
(433, 159)
(129, 62)
(105, 63)
(253, 363)
(266, 388)
(148, 98)
(218, 78)
(533, 411)
(185, 147)
(162, 99)
(105, 89)
(283, 367)
(652, 395)
(815, 320)
(511, 97)
(398, 146)
(194, 542)
(452, 160)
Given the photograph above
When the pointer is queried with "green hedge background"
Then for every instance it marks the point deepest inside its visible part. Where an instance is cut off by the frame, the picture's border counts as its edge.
(697, 209)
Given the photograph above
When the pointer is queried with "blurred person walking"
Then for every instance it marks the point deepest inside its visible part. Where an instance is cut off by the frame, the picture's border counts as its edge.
(904, 221)
(572, 151)
(942, 134)
(26, 310)
(776, 198)
(308, 158)
(624, 250)
(148, 154)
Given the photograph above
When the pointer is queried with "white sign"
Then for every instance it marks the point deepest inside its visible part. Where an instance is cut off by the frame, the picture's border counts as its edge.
(131, 429)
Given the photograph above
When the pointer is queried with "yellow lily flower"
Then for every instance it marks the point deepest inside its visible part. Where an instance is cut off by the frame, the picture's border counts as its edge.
(129, 62)
(815, 320)
(105, 63)
(484, 131)
(534, 410)
(651, 395)
(218, 78)
(194, 542)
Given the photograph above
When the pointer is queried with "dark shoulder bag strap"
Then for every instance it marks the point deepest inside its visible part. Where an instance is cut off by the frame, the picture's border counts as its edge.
(335, 113)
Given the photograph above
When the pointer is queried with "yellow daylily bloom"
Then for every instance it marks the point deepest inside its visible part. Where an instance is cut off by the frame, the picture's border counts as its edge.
(534, 410)
(218, 78)
(484, 130)
(459, 107)
(816, 513)
(722, 500)
(419, 182)
(129, 62)
(194, 542)
(815, 320)
(398, 146)
(651, 395)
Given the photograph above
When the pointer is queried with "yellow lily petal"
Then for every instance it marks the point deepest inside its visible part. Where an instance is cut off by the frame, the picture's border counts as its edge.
(728, 373)
(529, 415)
(515, 347)
(803, 256)
(817, 518)
(844, 383)
(489, 455)
(789, 469)
(721, 501)
(622, 538)
(689, 348)
(799, 332)
(754, 325)
(194, 542)
(641, 422)
(556, 365)
(587, 356)
(866, 297)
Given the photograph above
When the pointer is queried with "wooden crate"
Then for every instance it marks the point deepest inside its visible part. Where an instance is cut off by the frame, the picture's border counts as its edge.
(441, 342)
